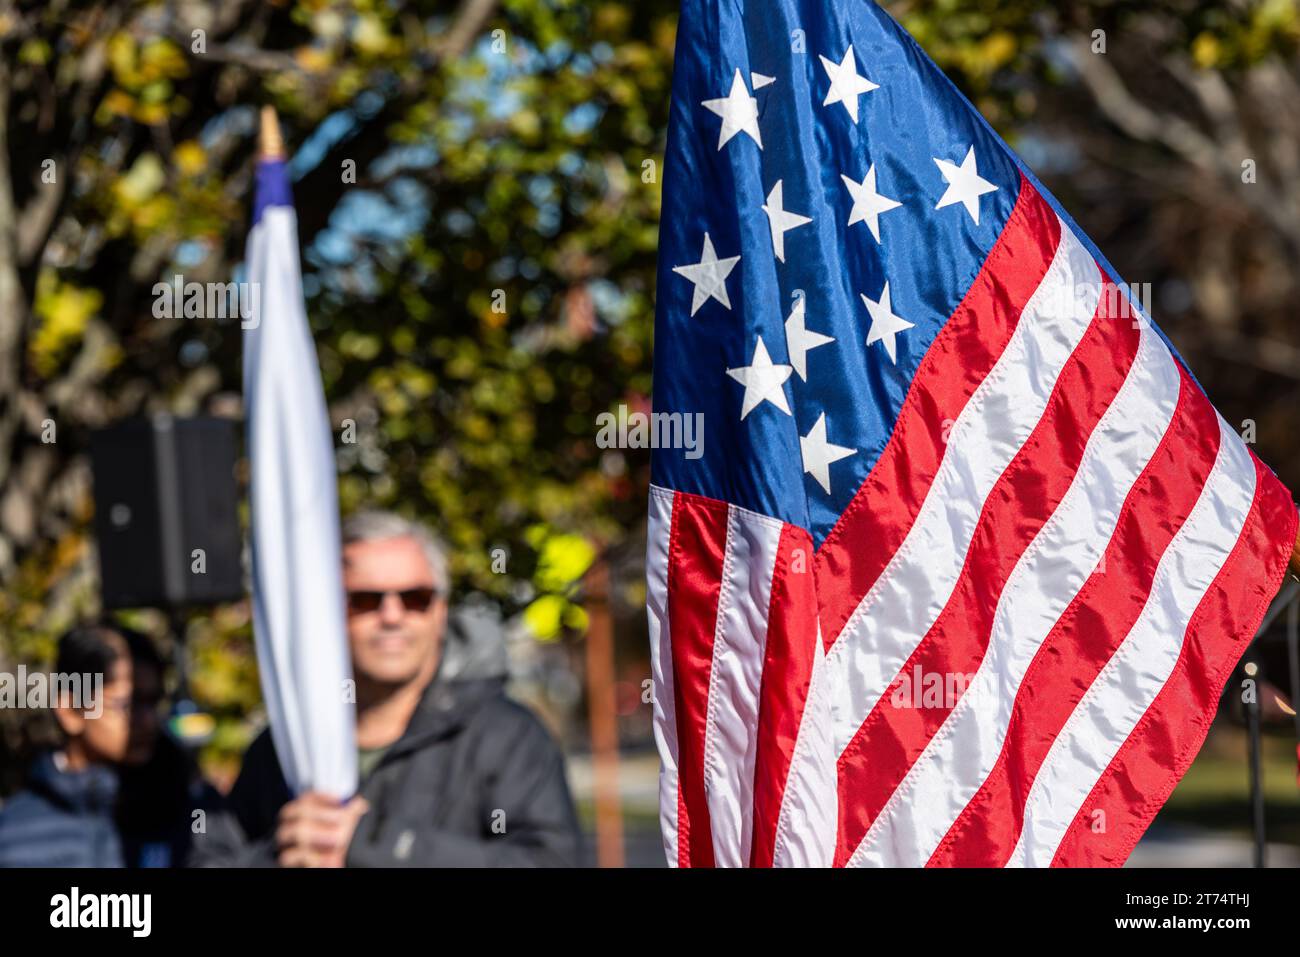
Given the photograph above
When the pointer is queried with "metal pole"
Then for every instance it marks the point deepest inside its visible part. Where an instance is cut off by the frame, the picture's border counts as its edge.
(1256, 771)
(1293, 654)
(1289, 593)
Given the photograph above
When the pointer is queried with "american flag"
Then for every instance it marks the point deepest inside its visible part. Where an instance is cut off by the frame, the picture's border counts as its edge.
(968, 555)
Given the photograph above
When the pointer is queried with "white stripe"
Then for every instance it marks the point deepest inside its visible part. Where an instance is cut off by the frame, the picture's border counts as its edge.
(1133, 677)
(731, 725)
(1046, 578)
(905, 600)
(658, 529)
(806, 828)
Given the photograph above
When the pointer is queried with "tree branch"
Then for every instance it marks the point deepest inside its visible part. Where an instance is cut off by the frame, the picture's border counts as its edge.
(1176, 134)
(469, 20)
(13, 302)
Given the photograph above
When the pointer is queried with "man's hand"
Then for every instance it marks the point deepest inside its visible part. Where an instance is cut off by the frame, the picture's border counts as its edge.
(315, 830)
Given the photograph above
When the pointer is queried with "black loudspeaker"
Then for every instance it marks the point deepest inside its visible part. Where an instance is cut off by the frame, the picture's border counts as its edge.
(166, 512)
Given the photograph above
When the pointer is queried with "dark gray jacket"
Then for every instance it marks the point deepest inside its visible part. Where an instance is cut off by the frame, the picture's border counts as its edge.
(475, 781)
(61, 819)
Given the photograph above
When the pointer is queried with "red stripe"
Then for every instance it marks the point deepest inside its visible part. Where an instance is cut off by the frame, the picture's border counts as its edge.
(696, 546)
(787, 673)
(892, 737)
(1087, 635)
(1162, 746)
(876, 521)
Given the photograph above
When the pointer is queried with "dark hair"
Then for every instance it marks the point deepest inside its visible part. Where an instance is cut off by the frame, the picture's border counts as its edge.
(94, 649)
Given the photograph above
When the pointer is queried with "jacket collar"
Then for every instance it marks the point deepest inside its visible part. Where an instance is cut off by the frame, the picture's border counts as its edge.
(445, 707)
(88, 791)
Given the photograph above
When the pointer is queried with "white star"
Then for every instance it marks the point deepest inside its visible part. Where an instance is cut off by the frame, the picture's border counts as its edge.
(798, 340)
(780, 220)
(709, 275)
(867, 203)
(818, 454)
(884, 324)
(758, 81)
(965, 185)
(762, 380)
(739, 112)
(846, 83)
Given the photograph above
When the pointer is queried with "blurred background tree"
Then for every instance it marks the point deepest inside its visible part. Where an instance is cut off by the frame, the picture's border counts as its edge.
(477, 194)
(477, 186)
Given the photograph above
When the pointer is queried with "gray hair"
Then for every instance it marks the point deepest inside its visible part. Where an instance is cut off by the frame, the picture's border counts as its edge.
(378, 526)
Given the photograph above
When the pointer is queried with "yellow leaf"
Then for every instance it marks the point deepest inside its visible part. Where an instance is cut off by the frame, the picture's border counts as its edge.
(118, 103)
(161, 58)
(190, 158)
(34, 51)
(63, 311)
(369, 35)
(997, 49)
(121, 56)
(543, 617)
(313, 60)
(563, 560)
(145, 178)
(1205, 50)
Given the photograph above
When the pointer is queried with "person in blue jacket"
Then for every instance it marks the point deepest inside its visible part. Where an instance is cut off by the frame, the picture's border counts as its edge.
(64, 816)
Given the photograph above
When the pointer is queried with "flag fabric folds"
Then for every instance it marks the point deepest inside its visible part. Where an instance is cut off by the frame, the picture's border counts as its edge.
(968, 555)
(298, 602)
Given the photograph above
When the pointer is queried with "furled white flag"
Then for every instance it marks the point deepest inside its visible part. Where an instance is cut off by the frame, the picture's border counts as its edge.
(298, 601)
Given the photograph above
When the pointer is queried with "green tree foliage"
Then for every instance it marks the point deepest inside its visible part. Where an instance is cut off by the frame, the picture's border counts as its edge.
(477, 187)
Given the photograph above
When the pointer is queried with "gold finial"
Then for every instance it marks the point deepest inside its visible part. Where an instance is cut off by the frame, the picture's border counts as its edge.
(271, 145)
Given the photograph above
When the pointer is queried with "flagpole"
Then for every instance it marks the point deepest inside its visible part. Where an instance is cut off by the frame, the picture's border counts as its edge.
(1254, 749)
(1293, 654)
(1253, 719)
(1293, 667)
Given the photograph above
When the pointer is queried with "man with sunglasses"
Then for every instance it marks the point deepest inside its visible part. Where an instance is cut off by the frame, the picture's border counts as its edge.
(453, 773)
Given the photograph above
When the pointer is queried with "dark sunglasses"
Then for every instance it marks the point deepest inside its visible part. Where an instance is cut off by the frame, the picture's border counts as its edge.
(413, 599)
